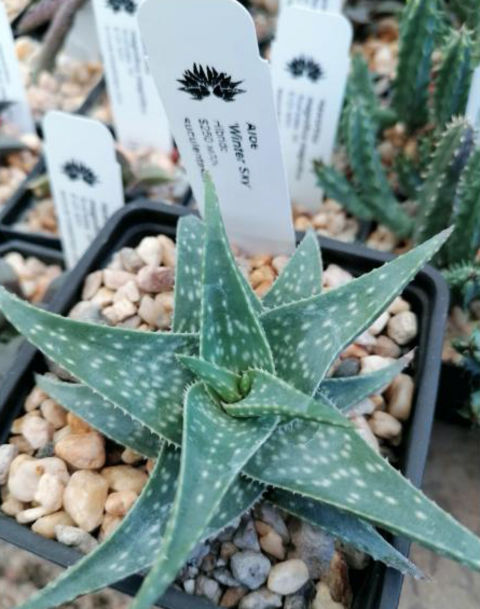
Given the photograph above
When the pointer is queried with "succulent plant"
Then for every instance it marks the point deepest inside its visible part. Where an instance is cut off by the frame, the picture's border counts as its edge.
(438, 179)
(233, 401)
(470, 352)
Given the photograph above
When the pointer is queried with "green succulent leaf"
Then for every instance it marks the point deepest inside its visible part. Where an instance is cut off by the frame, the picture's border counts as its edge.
(454, 77)
(221, 380)
(337, 187)
(349, 529)
(336, 466)
(301, 277)
(269, 396)
(465, 239)
(188, 275)
(306, 337)
(134, 545)
(369, 175)
(435, 199)
(231, 335)
(215, 449)
(345, 392)
(131, 547)
(418, 28)
(102, 415)
(136, 371)
(408, 175)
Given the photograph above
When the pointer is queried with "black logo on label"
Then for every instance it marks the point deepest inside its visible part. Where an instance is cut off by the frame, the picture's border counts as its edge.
(117, 6)
(75, 170)
(201, 83)
(306, 67)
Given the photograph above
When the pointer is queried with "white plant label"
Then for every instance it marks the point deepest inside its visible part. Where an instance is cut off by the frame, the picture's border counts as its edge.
(219, 99)
(11, 83)
(473, 106)
(138, 112)
(332, 6)
(309, 75)
(86, 179)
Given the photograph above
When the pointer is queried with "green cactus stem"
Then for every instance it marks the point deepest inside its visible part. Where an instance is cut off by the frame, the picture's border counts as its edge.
(368, 173)
(452, 84)
(417, 38)
(465, 240)
(436, 197)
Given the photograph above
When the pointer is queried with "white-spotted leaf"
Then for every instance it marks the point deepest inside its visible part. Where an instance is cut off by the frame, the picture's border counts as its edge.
(102, 415)
(302, 276)
(188, 275)
(136, 371)
(270, 396)
(215, 448)
(345, 527)
(306, 337)
(336, 466)
(345, 392)
(231, 335)
(221, 380)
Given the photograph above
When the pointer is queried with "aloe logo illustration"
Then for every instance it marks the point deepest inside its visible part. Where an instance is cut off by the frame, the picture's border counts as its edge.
(118, 6)
(201, 82)
(75, 170)
(306, 67)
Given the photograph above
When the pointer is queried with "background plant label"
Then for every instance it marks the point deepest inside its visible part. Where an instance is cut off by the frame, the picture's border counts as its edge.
(86, 179)
(309, 75)
(332, 6)
(138, 113)
(11, 83)
(219, 99)
(473, 106)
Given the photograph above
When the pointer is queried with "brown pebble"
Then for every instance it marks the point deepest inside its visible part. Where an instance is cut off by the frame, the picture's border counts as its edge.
(233, 596)
(155, 279)
(118, 503)
(82, 450)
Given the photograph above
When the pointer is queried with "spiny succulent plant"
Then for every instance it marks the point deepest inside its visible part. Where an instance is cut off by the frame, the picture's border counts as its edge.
(429, 104)
(470, 352)
(233, 401)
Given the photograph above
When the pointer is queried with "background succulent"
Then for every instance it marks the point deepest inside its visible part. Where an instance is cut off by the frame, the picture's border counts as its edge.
(438, 178)
(434, 180)
(240, 385)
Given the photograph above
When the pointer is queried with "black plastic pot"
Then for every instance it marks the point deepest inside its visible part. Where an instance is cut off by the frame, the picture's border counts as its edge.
(378, 588)
(456, 384)
(24, 199)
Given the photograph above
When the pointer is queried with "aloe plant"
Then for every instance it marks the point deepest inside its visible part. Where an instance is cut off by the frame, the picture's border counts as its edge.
(234, 401)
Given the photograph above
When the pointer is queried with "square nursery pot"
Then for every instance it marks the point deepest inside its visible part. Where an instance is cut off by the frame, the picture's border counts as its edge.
(375, 588)
(23, 199)
(456, 385)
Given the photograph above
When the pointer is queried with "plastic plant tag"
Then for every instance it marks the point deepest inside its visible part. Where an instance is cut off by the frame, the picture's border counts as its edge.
(85, 177)
(473, 106)
(219, 99)
(332, 6)
(82, 40)
(138, 113)
(309, 75)
(12, 89)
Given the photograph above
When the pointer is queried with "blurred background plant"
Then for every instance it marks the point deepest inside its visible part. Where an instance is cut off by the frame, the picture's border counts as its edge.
(430, 178)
